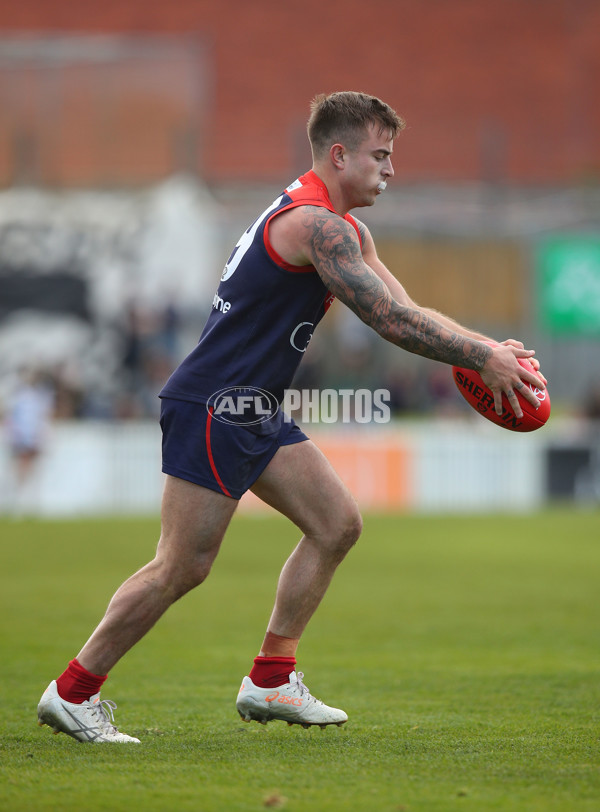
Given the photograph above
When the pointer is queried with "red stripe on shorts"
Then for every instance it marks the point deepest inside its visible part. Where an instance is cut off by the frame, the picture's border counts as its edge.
(210, 454)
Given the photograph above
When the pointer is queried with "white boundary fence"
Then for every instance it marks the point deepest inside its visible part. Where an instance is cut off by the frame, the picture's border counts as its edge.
(95, 468)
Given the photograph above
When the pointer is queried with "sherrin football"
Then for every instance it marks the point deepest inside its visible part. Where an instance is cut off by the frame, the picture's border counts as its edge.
(476, 393)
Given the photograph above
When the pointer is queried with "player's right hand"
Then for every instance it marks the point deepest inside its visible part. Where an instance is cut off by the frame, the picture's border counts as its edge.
(503, 374)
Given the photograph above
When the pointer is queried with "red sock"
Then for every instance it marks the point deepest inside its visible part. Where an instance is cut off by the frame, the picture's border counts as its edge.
(270, 672)
(77, 684)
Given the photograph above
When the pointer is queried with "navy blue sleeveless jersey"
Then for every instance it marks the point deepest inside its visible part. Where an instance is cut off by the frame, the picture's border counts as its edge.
(263, 313)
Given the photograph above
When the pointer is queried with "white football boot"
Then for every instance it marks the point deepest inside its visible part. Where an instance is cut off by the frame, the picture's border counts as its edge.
(90, 721)
(291, 702)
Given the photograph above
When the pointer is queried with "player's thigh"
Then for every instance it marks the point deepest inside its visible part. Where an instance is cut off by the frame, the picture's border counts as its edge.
(301, 483)
(193, 520)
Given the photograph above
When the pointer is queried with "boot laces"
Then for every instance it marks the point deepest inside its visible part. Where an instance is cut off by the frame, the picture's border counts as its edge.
(105, 709)
(301, 685)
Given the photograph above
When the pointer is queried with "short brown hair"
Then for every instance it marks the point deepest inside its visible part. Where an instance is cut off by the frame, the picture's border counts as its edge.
(344, 117)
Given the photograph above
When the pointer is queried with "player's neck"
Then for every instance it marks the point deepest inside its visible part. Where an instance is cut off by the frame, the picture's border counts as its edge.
(336, 196)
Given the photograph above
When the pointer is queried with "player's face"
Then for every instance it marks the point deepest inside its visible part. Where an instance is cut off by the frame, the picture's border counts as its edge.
(369, 166)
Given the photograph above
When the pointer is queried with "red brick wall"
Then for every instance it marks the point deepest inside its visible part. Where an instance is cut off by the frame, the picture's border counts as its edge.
(489, 88)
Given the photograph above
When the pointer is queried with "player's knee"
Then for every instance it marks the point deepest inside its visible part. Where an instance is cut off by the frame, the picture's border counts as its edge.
(195, 572)
(179, 577)
(355, 526)
(350, 528)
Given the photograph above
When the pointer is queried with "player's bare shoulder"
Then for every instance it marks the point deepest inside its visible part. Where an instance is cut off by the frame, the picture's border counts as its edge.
(328, 237)
(311, 235)
(365, 234)
(367, 244)
(335, 251)
(288, 238)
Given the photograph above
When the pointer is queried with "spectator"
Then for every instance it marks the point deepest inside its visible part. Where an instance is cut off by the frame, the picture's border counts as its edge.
(28, 416)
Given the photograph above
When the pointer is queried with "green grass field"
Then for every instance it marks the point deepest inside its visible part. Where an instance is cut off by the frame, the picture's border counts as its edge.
(466, 651)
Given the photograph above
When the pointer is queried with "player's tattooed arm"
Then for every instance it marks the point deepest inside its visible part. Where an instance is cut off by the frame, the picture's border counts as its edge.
(335, 252)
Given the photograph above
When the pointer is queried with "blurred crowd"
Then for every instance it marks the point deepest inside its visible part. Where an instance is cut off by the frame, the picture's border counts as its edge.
(145, 349)
(150, 341)
(148, 344)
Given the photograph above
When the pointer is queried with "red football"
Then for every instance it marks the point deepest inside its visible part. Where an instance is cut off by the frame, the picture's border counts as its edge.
(477, 395)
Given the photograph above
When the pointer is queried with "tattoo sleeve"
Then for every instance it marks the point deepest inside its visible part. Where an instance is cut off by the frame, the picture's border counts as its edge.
(336, 254)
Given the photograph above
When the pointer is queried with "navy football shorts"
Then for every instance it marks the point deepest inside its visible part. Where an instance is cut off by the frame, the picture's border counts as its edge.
(223, 457)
